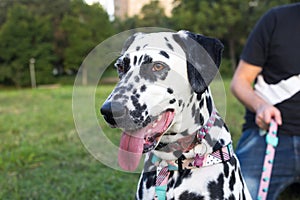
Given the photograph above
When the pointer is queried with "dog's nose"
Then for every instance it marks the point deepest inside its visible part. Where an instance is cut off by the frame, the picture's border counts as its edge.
(111, 110)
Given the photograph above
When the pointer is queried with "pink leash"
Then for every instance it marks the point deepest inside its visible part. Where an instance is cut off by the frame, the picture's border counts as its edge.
(272, 142)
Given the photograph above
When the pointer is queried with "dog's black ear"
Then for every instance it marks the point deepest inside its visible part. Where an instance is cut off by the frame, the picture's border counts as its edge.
(203, 58)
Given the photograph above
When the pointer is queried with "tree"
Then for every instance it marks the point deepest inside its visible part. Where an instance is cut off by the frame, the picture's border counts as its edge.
(24, 36)
(153, 15)
(85, 27)
(229, 20)
(213, 18)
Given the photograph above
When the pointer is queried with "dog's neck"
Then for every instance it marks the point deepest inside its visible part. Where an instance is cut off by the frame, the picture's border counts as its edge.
(184, 129)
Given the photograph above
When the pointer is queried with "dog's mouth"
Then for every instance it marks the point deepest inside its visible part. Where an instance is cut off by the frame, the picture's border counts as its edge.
(133, 144)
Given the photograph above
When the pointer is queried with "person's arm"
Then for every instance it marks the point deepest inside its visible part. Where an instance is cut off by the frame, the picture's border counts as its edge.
(241, 87)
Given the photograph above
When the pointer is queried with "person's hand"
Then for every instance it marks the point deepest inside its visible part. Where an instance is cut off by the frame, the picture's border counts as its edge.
(265, 113)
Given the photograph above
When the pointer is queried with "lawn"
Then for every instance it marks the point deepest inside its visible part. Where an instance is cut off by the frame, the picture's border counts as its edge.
(42, 156)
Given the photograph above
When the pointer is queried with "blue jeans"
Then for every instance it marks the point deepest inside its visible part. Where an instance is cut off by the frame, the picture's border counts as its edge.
(286, 169)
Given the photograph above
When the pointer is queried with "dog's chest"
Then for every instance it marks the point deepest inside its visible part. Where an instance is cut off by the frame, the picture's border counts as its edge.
(214, 182)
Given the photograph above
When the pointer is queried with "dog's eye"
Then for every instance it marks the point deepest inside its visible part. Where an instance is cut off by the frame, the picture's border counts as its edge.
(157, 67)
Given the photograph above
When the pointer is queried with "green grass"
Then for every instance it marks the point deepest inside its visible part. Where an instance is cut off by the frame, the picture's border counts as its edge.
(42, 157)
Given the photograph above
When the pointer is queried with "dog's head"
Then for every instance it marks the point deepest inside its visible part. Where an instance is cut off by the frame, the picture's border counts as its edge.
(158, 72)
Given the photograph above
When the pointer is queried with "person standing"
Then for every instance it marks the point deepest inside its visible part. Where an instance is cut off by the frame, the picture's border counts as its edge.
(267, 83)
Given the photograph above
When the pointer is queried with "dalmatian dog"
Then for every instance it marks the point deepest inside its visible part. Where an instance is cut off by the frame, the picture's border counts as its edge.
(165, 109)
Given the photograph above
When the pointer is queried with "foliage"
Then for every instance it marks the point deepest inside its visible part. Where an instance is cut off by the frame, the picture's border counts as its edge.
(60, 33)
(152, 15)
(57, 33)
(24, 36)
(86, 26)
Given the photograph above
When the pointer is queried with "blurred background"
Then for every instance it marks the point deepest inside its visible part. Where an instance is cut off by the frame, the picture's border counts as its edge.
(42, 45)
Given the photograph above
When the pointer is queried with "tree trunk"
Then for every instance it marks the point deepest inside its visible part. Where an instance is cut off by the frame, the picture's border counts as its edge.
(232, 54)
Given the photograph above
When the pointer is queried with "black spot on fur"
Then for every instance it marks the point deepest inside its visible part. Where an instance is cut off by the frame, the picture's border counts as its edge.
(193, 110)
(209, 104)
(222, 142)
(184, 174)
(138, 109)
(217, 146)
(241, 178)
(122, 91)
(129, 87)
(180, 102)
(199, 97)
(162, 145)
(210, 140)
(219, 123)
(172, 133)
(170, 46)
(166, 39)
(147, 121)
(232, 181)
(201, 103)
(190, 196)
(185, 132)
(215, 188)
(171, 183)
(170, 90)
(198, 117)
(225, 126)
(140, 191)
(191, 99)
(243, 194)
(165, 54)
(226, 169)
(172, 101)
(118, 96)
(147, 59)
(141, 118)
(127, 77)
(148, 179)
(140, 59)
(231, 197)
(134, 60)
(137, 48)
(137, 79)
(201, 119)
(233, 162)
(143, 88)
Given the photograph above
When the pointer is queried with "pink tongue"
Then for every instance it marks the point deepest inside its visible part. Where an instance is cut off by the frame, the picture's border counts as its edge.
(130, 151)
